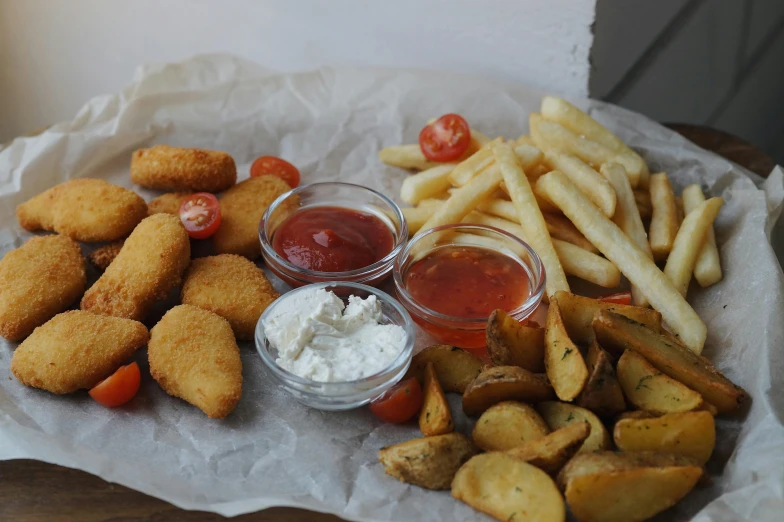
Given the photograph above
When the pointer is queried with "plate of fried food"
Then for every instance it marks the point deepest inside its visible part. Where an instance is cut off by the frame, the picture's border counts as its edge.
(390, 296)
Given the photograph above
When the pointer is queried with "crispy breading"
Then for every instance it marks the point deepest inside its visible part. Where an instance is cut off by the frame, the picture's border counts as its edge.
(84, 209)
(241, 208)
(41, 278)
(149, 265)
(232, 287)
(168, 203)
(193, 356)
(76, 350)
(163, 167)
(102, 257)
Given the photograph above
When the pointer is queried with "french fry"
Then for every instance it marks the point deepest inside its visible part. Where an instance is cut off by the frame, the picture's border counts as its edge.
(486, 242)
(416, 217)
(531, 219)
(627, 216)
(426, 184)
(528, 155)
(554, 137)
(433, 203)
(707, 269)
(408, 157)
(643, 199)
(563, 112)
(689, 241)
(628, 257)
(664, 216)
(479, 139)
(590, 182)
(525, 139)
(472, 165)
(563, 229)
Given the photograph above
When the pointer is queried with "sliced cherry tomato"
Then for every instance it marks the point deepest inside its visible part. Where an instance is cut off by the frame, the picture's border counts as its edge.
(200, 214)
(400, 403)
(273, 166)
(119, 387)
(445, 139)
(624, 298)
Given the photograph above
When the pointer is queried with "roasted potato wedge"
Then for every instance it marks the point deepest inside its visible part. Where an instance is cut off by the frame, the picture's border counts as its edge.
(626, 487)
(692, 434)
(563, 362)
(578, 312)
(505, 383)
(508, 489)
(507, 425)
(650, 390)
(602, 393)
(455, 367)
(616, 332)
(430, 462)
(560, 414)
(435, 418)
(551, 452)
(513, 344)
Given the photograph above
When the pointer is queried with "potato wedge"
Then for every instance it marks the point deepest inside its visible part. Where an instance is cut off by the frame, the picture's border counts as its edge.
(692, 434)
(602, 393)
(507, 425)
(560, 414)
(454, 367)
(505, 383)
(513, 344)
(616, 332)
(626, 487)
(551, 452)
(508, 489)
(429, 462)
(577, 313)
(563, 362)
(650, 390)
(435, 418)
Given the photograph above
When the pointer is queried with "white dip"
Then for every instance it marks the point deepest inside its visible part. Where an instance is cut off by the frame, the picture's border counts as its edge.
(319, 338)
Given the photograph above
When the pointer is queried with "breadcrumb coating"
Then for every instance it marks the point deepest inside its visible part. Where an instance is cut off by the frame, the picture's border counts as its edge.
(163, 167)
(102, 257)
(168, 203)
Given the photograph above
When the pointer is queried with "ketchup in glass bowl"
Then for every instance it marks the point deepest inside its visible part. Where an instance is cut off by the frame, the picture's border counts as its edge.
(332, 232)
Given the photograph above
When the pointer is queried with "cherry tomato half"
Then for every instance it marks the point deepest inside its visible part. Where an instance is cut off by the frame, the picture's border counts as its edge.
(200, 214)
(400, 403)
(624, 298)
(274, 166)
(446, 139)
(119, 387)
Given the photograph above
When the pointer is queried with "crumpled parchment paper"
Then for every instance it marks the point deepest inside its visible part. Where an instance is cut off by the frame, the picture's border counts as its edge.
(331, 123)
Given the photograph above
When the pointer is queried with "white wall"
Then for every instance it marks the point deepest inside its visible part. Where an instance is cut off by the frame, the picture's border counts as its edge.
(56, 54)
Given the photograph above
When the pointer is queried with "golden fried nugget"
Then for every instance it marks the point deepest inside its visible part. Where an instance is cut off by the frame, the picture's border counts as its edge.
(102, 257)
(76, 350)
(41, 278)
(168, 203)
(150, 264)
(232, 287)
(241, 209)
(173, 168)
(84, 209)
(193, 356)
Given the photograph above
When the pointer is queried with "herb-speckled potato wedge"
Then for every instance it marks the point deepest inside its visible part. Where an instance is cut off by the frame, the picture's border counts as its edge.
(563, 362)
(602, 393)
(513, 344)
(551, 452)
(650, 390)
(455, 367)
(429, 462)
(505, 383)
(692, 434)
(435, 418)
(507, 425)
(560, 414)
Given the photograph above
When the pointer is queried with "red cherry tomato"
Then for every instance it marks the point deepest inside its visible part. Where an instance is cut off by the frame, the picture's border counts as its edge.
(118, 388)
(624, 298)
(400, 403)
(446, 139)
(273, 166)
(200, 214)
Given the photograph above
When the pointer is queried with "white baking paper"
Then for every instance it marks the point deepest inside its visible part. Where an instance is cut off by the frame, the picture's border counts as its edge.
(331, 123)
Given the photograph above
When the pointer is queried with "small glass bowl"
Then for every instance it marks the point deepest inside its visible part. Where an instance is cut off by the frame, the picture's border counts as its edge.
(334, 396)
(332, 194)
(460, 331)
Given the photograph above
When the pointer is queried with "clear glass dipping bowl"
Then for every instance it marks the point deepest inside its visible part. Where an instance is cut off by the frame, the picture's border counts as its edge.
(334, 396)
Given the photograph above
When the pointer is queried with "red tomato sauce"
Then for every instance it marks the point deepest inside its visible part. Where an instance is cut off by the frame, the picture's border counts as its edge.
(332, 239)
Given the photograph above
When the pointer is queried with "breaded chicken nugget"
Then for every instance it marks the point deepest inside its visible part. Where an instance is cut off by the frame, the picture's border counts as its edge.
(102, 257)
(232, 287)
(149, 265)
(75, 350)
(168, 203)
(241, 208)
(41, 278)
(84, 209)
(193, 356)
(172, 168)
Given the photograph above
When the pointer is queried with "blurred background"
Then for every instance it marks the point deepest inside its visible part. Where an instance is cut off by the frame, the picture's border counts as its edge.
(718, 63)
